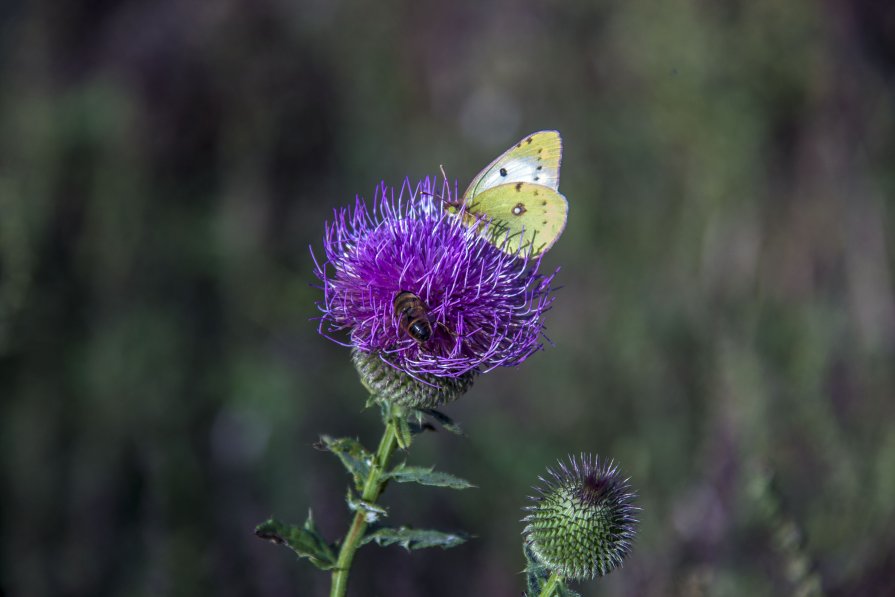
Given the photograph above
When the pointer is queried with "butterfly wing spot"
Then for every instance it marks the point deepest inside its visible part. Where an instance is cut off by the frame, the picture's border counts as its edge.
(527, 173)
(537, 154)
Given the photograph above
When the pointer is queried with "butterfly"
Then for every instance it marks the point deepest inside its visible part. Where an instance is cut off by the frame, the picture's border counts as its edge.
(518, 196)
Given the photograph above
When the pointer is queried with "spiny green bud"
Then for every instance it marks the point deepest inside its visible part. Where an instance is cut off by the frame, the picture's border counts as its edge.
(582, 522)
(401, 388)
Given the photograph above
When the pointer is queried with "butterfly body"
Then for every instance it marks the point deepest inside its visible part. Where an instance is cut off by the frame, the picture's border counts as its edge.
(517, 196)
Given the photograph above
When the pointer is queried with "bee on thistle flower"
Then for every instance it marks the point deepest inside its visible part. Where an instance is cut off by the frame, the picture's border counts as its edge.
(466, 306)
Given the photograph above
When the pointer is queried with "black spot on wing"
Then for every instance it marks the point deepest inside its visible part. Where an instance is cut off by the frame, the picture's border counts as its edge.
(528, 140)
(503, 171)
(518, 186)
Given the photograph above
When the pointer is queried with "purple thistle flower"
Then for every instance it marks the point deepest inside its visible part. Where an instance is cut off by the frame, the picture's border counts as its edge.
(484, 307)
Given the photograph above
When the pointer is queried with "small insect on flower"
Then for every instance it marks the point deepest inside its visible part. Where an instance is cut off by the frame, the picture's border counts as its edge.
(413, 316)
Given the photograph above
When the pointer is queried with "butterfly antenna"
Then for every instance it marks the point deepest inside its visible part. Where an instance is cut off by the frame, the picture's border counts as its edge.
(448, 202)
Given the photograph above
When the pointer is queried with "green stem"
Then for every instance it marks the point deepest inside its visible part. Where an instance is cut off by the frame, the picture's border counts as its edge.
(373, 487)
(552, 584)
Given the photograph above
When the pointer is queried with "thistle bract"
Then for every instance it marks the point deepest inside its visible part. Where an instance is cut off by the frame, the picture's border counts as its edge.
(415, 287)
(414, 391)
(582, 522)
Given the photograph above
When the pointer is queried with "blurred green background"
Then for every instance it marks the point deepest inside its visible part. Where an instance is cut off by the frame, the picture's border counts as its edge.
(726, 313)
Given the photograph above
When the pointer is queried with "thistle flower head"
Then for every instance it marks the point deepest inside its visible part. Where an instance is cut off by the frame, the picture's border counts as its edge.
(429, 296)
(582, 521)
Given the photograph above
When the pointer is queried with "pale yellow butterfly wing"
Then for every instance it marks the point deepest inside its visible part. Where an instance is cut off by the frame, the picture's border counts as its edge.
(521, 216)
(534, 159)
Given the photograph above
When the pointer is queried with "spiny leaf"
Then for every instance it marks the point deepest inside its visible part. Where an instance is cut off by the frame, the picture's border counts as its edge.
(372, 512)
(417, 427)
(353, 456)
(402, 432)
(537, 576)
(535, 572)
(390, 410)
(414, 538)
(563, 591)
(427, 476)
(445, 421)
(395, 414)
(305, 541)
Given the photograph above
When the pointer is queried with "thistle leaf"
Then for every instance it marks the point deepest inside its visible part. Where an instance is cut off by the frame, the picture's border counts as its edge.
(353, 456)
(427, 476)
(403, 433)
(537, 576)
(445, 421)
(372, 512)
(536, 573)
(305, 541)
(417, 427)
(414, 538)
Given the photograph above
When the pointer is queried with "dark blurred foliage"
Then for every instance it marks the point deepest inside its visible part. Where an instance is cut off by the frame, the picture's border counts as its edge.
(727, 313)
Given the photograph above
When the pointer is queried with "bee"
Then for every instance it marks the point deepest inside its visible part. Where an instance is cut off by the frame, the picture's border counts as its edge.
(414, 316)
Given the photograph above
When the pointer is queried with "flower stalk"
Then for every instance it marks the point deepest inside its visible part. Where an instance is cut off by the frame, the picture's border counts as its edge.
(374, 484)
(551, 585)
